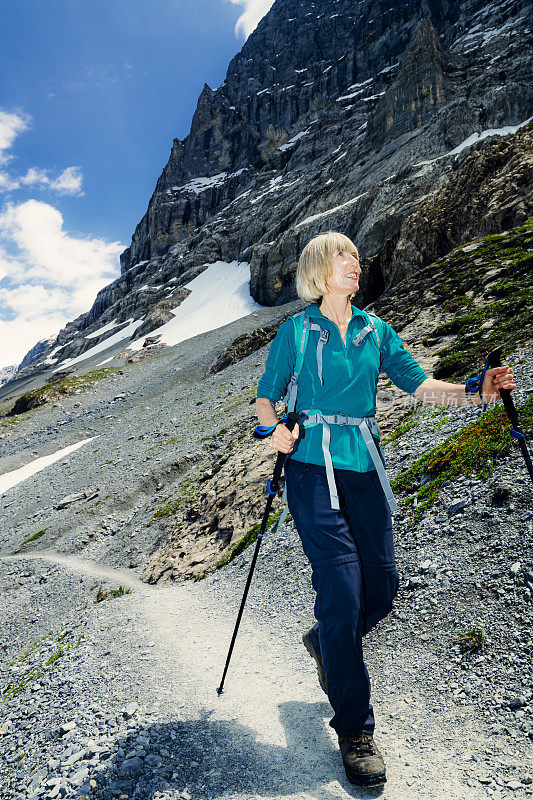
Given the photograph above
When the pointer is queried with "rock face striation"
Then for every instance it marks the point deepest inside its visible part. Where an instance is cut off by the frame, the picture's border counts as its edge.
(333, 116)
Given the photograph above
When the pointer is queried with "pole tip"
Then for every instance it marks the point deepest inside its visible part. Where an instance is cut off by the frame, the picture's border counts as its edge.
(219, 690)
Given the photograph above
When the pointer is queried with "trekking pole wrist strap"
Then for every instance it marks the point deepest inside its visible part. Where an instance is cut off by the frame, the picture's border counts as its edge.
(475, 384)
(262, 431)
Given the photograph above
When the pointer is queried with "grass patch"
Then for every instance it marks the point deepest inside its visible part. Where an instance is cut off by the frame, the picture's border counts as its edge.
(30, 649)
(399, 431)
(506, 301)
(457, 303)
(57, 389)
(53, 658)
(30, 675)
(409, 420)
(120, 591)
(188, 493)
(470, 641)
(34, 537)
(474, 449)
(101, 595)
(33, 673)
(249, 538)
(486, 294)
(240, 399)
(239, 547)
(166, 443)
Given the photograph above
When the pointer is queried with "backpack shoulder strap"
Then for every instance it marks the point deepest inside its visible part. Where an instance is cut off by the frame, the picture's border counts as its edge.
(302, 326)
(376, 324)
(301, 336)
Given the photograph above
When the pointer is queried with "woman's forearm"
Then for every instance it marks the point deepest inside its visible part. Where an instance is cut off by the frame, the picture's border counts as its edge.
(444, 393)
(282, 439)
(265, 411)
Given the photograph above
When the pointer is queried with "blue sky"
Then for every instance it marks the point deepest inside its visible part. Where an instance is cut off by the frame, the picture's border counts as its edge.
(91, 95)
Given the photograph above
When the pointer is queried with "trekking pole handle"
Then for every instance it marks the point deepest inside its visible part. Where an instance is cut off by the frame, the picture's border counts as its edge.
(292, 418)
(494, 360)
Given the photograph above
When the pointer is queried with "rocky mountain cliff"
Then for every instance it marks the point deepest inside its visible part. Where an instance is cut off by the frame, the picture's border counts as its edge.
(332, 116)
(6, 373)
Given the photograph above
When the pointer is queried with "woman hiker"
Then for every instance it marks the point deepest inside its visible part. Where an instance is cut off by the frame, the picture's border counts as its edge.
(337, 491)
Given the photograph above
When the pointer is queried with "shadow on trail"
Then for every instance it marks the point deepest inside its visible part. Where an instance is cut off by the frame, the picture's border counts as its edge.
(211, 758)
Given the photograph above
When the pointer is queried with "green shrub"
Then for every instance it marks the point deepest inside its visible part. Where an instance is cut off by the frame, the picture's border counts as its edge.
(474, 449)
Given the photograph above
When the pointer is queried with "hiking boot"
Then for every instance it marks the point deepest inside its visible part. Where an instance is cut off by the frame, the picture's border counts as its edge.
(363, 763)
(306, 639)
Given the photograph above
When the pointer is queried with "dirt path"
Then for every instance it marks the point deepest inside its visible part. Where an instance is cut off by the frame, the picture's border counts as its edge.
(267, 735)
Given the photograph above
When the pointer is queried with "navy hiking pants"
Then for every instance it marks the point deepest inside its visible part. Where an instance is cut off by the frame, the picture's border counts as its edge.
(351, 552)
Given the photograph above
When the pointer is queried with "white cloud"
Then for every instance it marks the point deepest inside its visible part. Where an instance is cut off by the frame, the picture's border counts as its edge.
(7, 183)
(68, 182)
(30, 301)
(12, 123)
(51, 278)
(254, 11)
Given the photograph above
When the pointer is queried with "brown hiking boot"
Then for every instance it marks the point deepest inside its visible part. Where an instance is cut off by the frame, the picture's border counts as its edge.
(306, 639)
(363, 763)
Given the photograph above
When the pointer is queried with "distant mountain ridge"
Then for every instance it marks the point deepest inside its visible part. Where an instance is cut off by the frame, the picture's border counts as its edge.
(6, 373)
(332, 116)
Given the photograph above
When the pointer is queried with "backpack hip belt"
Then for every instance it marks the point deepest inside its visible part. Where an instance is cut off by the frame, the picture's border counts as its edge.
(367, 426)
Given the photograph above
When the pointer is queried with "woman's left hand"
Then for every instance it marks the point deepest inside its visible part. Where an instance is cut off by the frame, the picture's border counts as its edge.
(497, 378)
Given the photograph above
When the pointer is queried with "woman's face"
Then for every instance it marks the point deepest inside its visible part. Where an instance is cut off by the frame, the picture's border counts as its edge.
(344, 277)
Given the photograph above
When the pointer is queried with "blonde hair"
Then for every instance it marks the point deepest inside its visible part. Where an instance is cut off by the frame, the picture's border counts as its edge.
(316, 261)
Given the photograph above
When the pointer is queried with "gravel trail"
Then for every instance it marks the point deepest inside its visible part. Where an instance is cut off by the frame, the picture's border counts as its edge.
(267, 735)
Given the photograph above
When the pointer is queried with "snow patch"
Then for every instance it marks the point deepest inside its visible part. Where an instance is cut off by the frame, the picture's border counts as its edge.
(294, 139)
(102, 330)
(275, 185)
(478, 32)
(219, 295)
(10, 479)
(50, 358)
(308, 220)
(201, 184)
(476, 137)
(357, 92)
(125, 333)
(388, 69)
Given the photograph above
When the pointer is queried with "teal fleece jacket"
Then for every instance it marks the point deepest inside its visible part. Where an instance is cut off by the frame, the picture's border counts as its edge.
(350, 376)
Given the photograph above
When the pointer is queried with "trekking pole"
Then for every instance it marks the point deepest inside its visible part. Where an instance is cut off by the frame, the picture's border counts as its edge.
(493, 360)
(272, 489)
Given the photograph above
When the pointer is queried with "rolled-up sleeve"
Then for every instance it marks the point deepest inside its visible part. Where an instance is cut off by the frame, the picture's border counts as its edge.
(398, 363)
(279, 365)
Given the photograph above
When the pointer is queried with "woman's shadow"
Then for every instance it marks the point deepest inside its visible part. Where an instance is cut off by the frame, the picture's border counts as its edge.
(211, 757)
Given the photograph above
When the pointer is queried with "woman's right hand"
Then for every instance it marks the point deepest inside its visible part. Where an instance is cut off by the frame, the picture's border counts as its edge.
(283, 439)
